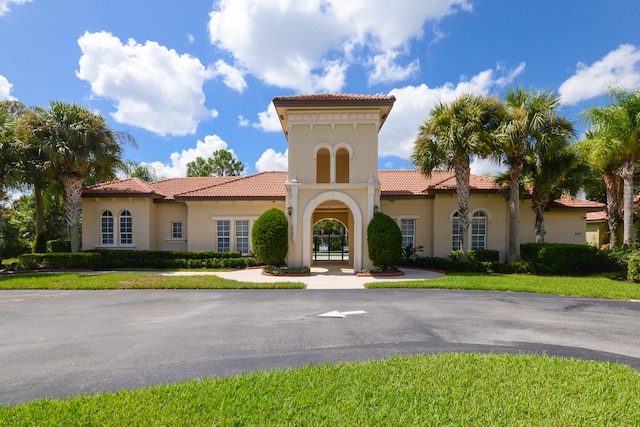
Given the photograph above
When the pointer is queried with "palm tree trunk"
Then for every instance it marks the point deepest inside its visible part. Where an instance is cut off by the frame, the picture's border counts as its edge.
(539, 226)
(73, 207)
(626, 172)
(611, 187)
(514, 209)
(39, 222)
(462, 168)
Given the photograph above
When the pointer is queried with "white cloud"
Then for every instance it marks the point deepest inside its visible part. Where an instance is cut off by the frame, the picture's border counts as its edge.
(178, 166)
(268, 120)
(413, 104)
(270, 160)
(231, 76)
(620, 67)
(4, 5)
(308, 45)
(154, 88)
(386, 69)
(5, 89)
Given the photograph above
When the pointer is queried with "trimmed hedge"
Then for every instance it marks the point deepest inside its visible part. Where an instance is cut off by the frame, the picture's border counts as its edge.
(633, 269)
(480, 255)
(384, 239)
(270, 236)
(566, 258)
(167, 260)
(59, 260)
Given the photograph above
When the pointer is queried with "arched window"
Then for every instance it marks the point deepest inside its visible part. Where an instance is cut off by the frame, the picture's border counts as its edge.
(323, 166)
(342, 165)
(456, 237)
(106, 228)
(479, 230)
(126, 228)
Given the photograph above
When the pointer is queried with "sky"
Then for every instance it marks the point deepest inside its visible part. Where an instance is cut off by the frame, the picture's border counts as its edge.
(186, 78)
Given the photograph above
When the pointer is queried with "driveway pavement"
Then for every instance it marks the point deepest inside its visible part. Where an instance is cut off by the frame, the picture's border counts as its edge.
(63, 343)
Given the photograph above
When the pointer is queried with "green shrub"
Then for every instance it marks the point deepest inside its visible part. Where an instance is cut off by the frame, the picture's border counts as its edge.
(633, 269)
(480, 255)
(118, 259)
(270, 237)
(565, 258)
(58, 245)
(59, 260)
(40, 244)
(384, 239)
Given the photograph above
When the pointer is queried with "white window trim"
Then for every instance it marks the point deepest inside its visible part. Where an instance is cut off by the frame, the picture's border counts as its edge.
(232, 230)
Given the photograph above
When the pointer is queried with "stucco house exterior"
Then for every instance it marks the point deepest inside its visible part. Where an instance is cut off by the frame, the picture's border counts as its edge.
(332, 174)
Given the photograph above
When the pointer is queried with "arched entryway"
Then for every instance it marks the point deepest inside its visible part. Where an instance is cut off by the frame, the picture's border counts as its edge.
(330, 239)
(339, 206)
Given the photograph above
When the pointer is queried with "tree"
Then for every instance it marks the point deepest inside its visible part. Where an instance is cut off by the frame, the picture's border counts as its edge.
(619, 124)
(551, 168)
(79, 143)
(448, 139)
(221, 163)
(384, 241)
(269, 237)
(132, 169)
(529, 114)
(10, 151)
(597, 149)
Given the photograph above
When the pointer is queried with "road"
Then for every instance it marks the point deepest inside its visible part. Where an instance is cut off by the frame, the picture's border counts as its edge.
(64, 343)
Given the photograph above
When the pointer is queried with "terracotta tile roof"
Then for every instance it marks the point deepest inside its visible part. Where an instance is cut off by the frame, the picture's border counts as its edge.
(572, 202)
(270, 185)
(596, 216)
(131, 186)
(263, 185)
(337, 98)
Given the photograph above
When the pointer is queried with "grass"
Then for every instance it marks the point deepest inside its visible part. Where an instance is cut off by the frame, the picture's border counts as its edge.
(600, 286)
(446, 389)
(65, 281)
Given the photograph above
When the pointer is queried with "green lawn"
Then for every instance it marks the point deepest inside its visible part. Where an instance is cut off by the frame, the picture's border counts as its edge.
(446, 389)
(131, 281)
(602, 286)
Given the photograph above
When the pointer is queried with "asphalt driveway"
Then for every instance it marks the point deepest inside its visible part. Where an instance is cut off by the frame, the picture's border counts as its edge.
(62, 343)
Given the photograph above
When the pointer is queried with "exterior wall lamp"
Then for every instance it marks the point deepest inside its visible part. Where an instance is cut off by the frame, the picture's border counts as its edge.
(376, 209)
(289, 210)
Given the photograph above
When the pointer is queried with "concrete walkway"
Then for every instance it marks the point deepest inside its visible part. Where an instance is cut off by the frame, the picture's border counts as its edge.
(325, 277)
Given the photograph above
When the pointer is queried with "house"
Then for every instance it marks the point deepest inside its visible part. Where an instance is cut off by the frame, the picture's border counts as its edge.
(332, 174)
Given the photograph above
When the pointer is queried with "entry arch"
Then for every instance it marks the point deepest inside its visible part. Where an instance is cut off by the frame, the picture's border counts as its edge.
(307, 217)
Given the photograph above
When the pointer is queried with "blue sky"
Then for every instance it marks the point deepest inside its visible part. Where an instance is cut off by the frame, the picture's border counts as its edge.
(187, 78)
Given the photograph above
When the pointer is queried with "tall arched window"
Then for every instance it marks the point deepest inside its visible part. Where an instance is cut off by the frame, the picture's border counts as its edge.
(323, 166)
(342, 165)
(479, 230)
(126, 228)
(456, 237)
(106, 228)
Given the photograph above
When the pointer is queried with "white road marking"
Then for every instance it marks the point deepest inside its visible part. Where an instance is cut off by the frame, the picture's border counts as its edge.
(339, 315)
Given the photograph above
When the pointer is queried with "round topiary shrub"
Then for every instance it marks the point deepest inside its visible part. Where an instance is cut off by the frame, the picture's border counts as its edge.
(270, 237)
(384, 240)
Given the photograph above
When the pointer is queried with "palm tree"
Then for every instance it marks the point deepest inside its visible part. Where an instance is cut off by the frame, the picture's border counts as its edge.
(552, 169)
(132, 169)
(449, 137)
(528, 115)
(80, 143)
(619, 123)
(9, 148)
(596, 148)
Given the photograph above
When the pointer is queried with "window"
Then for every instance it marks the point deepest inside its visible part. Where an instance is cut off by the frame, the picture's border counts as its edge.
(342, 165)
(126, 228)
(456, 237)
(223, 233)
(106, 228)
(408, 227)
(242, 237)
(176, 229)
(323, 166)
(479, 230)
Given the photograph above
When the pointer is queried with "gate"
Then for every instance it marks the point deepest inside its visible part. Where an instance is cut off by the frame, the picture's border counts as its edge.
(330, 247)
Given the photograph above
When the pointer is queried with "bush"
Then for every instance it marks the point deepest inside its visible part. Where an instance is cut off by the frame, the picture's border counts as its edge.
(112, 258)
(40, 244)
(480, 255)
(633, 269)
(384, 239)
(565, 258)
(59, 260)
(58, 245)
(270, 237)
